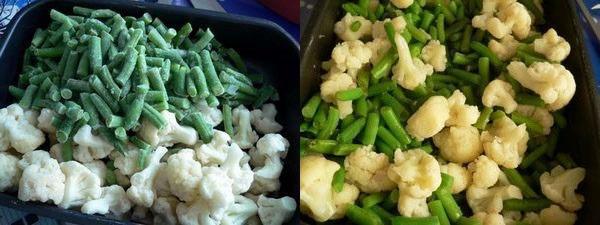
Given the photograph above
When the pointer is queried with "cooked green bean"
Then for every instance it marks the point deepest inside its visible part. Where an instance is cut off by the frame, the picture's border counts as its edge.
(360, 216)
(437, 209)
(515, 178)
(401, 220)
(338, 179)
(349, 133)
(330, 124)
(371, 129)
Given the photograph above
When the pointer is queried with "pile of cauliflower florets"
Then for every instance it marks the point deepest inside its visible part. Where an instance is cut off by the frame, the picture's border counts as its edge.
(473, 157)
(184, 181)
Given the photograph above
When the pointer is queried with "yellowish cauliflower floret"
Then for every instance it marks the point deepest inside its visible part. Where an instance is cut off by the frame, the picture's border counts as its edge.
(402, 3)
(505, 142)
(378, 46)
(499, 93)
(503, 17)
(316, 194)
(416, 173)
(344, 31)
(489, 218)
(461, 114)
(434, 54)
(540, 115)
(334, 83)
(459, 144)
(554, 215)
(348, 195)
(552, 82)
(554, 47)
(429, 119)
(379, 30)
(559, 186)
(462, 177)
(367, 170)
(410, 206)
(506, 48)
(409, 72)
(349, 56)
(490, 200)
(485, 172)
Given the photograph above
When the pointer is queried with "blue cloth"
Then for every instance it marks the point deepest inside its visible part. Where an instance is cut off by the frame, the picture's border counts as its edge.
(591, 43)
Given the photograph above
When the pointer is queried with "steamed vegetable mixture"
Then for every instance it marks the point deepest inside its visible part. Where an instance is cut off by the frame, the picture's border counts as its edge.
(439, 112)
(124, 116)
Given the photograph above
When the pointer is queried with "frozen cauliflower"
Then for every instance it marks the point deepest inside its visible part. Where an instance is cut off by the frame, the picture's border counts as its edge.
(240, 212)
(237, 168)
(113, 200)
(552, 82)
(275, 211)
(89, 147)
(44, 121)
(554, 47)
(42, 179)
(379, 29)
(554, 215)
(559, 186)
(461, 114)
(316, 197)
(334, 83)
(212, 115)
(163, 210)
(161, 181)
(410, 206)
(141, 191)
(434, 54)
(243, 136)
(127, 163)
(263, 119)
(196, 213)
(409, 72)
(266, 158)
(81, 185)
(378, 46)
(17, 131)
(540, 115)
(503, 17)
(416, 173)
(485, 172)
(504, 142)
(268, 146)
(462, 177)
(349, 56)
(490, 200)
(183, 174)
(215, 189)
(214, 152)
(402, 3)
(171, 134)
(499, 93)
(506, 48)
(429, 119)
(341, 199)
(56, 152)
(459, 144)
(367, 170)
(98, 168)
(10, 173)
(343, 28)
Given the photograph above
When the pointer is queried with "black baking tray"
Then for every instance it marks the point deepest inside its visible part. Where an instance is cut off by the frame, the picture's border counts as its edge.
(265, 47)
(582, 135)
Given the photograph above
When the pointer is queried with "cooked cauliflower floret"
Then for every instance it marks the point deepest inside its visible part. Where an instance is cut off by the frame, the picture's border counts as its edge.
(10, 173)
(503, 17)
(378, 46)
(98, 168)
(81, 185)
(42, 179)
(44, 121)
(506, 48)
(540, 115)
(461, 114)
(316, 194)
(554, 47)
(402, 3)
(462, 177)
(434, 54)
(416, 173)
(334, 83)
(243, 136)
(490, 200)
(240, 212)
(349, 56)
(171, 134)
(505, 142)
(559, 186)
(499, 93)
(485, 172)
(141, 191)
(489, 218)
(429, 119)
(459, 144)
(183, 174)
(163, 210)
(214, 152)
(341, 199)
(263, 119)
(17, 131)
(554, 215)
(410, 206)
(113, 200)
(409, 72)
(344, 31)
(379, 29)
(275, 211)
(552, 82)
(367, 170)
(89, 146)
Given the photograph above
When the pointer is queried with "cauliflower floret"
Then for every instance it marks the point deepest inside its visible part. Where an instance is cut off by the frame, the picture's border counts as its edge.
(334, 83)
(459, 144)
(195, 213)
(511, 17)
(237, 168)
(98, 168)
(215, 151)
(540, 115)
(34, 157)
(379, 29)
(161, 181)
(341, 199)
(141, 191)
(81, 185)
(485, 172)
(491, 24)
(409, 72)
(42, 180)
(270, 145)
(349, 56)
(410, 206)
(505, 142)
(184, 174)
(499, 93)
(171, 134)
(490, 200)
(554, 215)
(17, 131)
(266, 159)
(127, 163)
(367, 170)
(113, 199)
(263, 119)
(344, 31)
(275, 211)
(416, 173)
(517, 17)
(45, 121)
(215, 189)
(489, 218)
(316, 194)
(402, 3)
(559, 186)
(429, 119)
(163, 210)
(462, 177)
(552, 82)
(212, 115)
(378, 46)
(434, 54)
(506, 48)
(532, 218)
(554, 47)
(10, 173)
(244, 136)
(89, 146)
(122, 179)
(266, 178)
(241, 211)
(461, 114)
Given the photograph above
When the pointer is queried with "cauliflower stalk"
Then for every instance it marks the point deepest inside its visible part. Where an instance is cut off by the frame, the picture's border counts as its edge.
(368, 170)
(113, 199)
(89, 146)
(504, 142)
(409, 72)
(499, 93)
(344, 31)
(461, 114)
(171, 134)
(18, 131)
(44, 121)
(98, 168)
(559, 186)
(554, 47)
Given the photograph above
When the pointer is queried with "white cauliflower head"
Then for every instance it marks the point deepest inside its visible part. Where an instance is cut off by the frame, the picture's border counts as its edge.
(42, 179)
(429, 119)
(434, 54)
(554, 215)
(237, 168)
(341, 199)
(499, 93)
(275, 211)
(241, 211)
(409, 72)
(270, 145)
(552, 82)
(540, 115)
(554, 47)
(34, 157)
(461, 114)
(503, 17)
(505, 142)
(89, 146)
(171, 134)
(141, 191)
(402, 3)
(343, 28)
(215, 189)
(98, 168)
(44, 121)
(559, 186)
(163, 210)
(462, 177)
(113, 200)
(416, 173)
(485, 172)
(212, 115)
(367, 170)
(459, 144)
(349, 56)
(183, 174)
(263, 119)
(81, 185)
(17, 131)
(215, 151)
(316, 198)
(379, 29)
(10, 172)
(410, 206)
(490, 200)
(243, 136)
(506, 48)
(489, 218)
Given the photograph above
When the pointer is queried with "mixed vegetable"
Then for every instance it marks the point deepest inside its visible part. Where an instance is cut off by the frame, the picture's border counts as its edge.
(440, 112)
(133, 112)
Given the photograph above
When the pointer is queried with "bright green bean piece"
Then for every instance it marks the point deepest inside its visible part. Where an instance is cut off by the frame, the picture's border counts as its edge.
(338, 179)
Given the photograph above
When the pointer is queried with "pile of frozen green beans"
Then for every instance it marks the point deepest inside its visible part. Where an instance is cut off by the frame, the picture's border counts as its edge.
(381, 109)
(99, 68)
